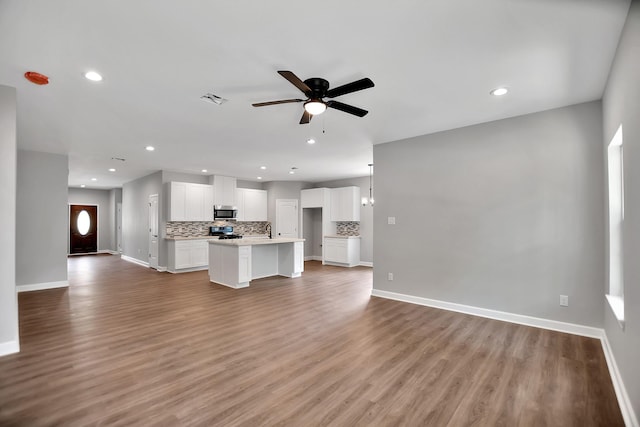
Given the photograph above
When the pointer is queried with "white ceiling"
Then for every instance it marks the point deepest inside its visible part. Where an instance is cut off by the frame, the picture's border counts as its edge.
(433, 63)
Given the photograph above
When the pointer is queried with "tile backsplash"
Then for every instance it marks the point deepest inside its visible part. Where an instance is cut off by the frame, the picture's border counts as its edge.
(348, 228)
(195, 229)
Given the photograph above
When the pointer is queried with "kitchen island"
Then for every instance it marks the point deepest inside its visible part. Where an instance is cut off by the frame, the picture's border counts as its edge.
(235, 262)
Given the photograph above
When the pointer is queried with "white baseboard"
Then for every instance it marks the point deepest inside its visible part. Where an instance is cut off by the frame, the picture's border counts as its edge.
(42, 286)
(313, 258)
(108, 251)
(161, 269)
(520, 319)
(134, 260)
(186, 270)
(9, 347)
(366, 264)
(624, 402)
(238, 286)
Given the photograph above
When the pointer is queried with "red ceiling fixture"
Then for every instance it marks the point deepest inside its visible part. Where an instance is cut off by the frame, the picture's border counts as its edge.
(37, 78)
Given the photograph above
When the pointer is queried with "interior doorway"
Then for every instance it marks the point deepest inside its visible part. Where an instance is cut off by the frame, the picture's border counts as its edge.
(83, 229)
(287, 218)
(153, 231)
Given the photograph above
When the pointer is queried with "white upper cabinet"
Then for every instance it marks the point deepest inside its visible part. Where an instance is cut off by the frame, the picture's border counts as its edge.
(252, 204)
(177, 197)
(345, 204)
(224, 190)
(315, 198)
(189, 202)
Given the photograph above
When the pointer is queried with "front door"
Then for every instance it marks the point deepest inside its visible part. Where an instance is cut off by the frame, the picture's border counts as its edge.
(83, 229)
(287, 218)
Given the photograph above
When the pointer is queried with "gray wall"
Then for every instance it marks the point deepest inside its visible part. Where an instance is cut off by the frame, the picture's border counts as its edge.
(168, 176)
(621, 106)
(135, 216)
(505, 215)
(366, 213)
(42, 218)
(249, 184)
(9, 337)
(106, 214)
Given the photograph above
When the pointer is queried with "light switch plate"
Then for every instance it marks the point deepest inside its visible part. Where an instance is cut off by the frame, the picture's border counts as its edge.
(391, 220)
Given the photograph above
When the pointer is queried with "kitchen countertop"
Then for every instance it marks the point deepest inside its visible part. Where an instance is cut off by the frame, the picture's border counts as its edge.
(253, 241)
(335, 236)
(259, 236)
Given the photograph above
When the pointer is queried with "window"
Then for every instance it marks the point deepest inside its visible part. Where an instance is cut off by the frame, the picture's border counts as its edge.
(84, 222)
(615, 295)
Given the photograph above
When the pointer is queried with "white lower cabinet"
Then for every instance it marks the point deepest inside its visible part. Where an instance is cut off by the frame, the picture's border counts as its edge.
(188, 255)
(343, 251)
(244, 263)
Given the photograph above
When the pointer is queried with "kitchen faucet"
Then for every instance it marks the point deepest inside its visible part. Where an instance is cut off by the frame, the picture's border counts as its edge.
(268, 228)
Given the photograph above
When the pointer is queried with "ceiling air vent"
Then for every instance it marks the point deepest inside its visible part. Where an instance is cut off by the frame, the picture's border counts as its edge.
(214, 99)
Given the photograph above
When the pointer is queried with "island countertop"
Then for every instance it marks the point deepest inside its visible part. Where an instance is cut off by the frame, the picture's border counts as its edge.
(252, 241)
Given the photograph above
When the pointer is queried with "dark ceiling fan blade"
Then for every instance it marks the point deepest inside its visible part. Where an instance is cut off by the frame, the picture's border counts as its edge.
(284, 101)
(347, 108)
(306, 118)
(294, 80)
(365, 83)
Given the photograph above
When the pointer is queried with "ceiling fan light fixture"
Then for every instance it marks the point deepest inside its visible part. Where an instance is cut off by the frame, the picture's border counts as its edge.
(315, 107)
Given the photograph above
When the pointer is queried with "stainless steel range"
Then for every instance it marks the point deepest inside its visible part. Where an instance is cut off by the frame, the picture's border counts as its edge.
(223, 233)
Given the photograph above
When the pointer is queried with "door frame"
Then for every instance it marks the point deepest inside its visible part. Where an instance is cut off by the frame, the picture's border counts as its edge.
(278, 202)
(69, 227)
(157, 236)
(119, 227)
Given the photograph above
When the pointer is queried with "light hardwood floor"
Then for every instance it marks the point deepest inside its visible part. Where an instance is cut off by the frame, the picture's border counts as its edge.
(125, 345)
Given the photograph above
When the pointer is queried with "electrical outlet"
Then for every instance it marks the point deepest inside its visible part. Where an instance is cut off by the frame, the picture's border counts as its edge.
(391, 220)
(564, 300)
(390, 276)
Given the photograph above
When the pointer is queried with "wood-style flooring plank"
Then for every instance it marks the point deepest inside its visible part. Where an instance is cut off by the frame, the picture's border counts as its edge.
(128, 346)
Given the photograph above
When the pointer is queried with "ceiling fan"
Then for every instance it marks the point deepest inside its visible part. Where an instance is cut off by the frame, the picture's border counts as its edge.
(315, 90)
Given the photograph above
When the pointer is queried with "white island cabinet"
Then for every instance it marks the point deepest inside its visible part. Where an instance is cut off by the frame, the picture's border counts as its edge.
(236, 262)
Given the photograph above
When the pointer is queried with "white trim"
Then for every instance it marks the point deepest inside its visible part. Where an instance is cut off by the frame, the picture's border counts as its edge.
(313, 258)
(624, 402)
(520, 319)
(185, 270)
(161, 269)
(366, 264)
(42, 286)
(616, 304)
(238, 286)
(9, 347)
(134, 260)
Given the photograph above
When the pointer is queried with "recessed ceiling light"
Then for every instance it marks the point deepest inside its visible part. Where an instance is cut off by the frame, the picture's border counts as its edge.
(112, 170)
(82, 186)
(292, 172)
(93, 76)
(499, 91)
(94, 179)
(311, 141)
(263, 167)
(149, 148)
(204, 170)
(259, 177)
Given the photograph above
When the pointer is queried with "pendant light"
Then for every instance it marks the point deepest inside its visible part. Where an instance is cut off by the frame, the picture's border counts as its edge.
(370, 200)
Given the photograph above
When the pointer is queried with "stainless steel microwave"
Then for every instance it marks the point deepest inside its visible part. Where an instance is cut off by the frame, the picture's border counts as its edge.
(224, 212)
